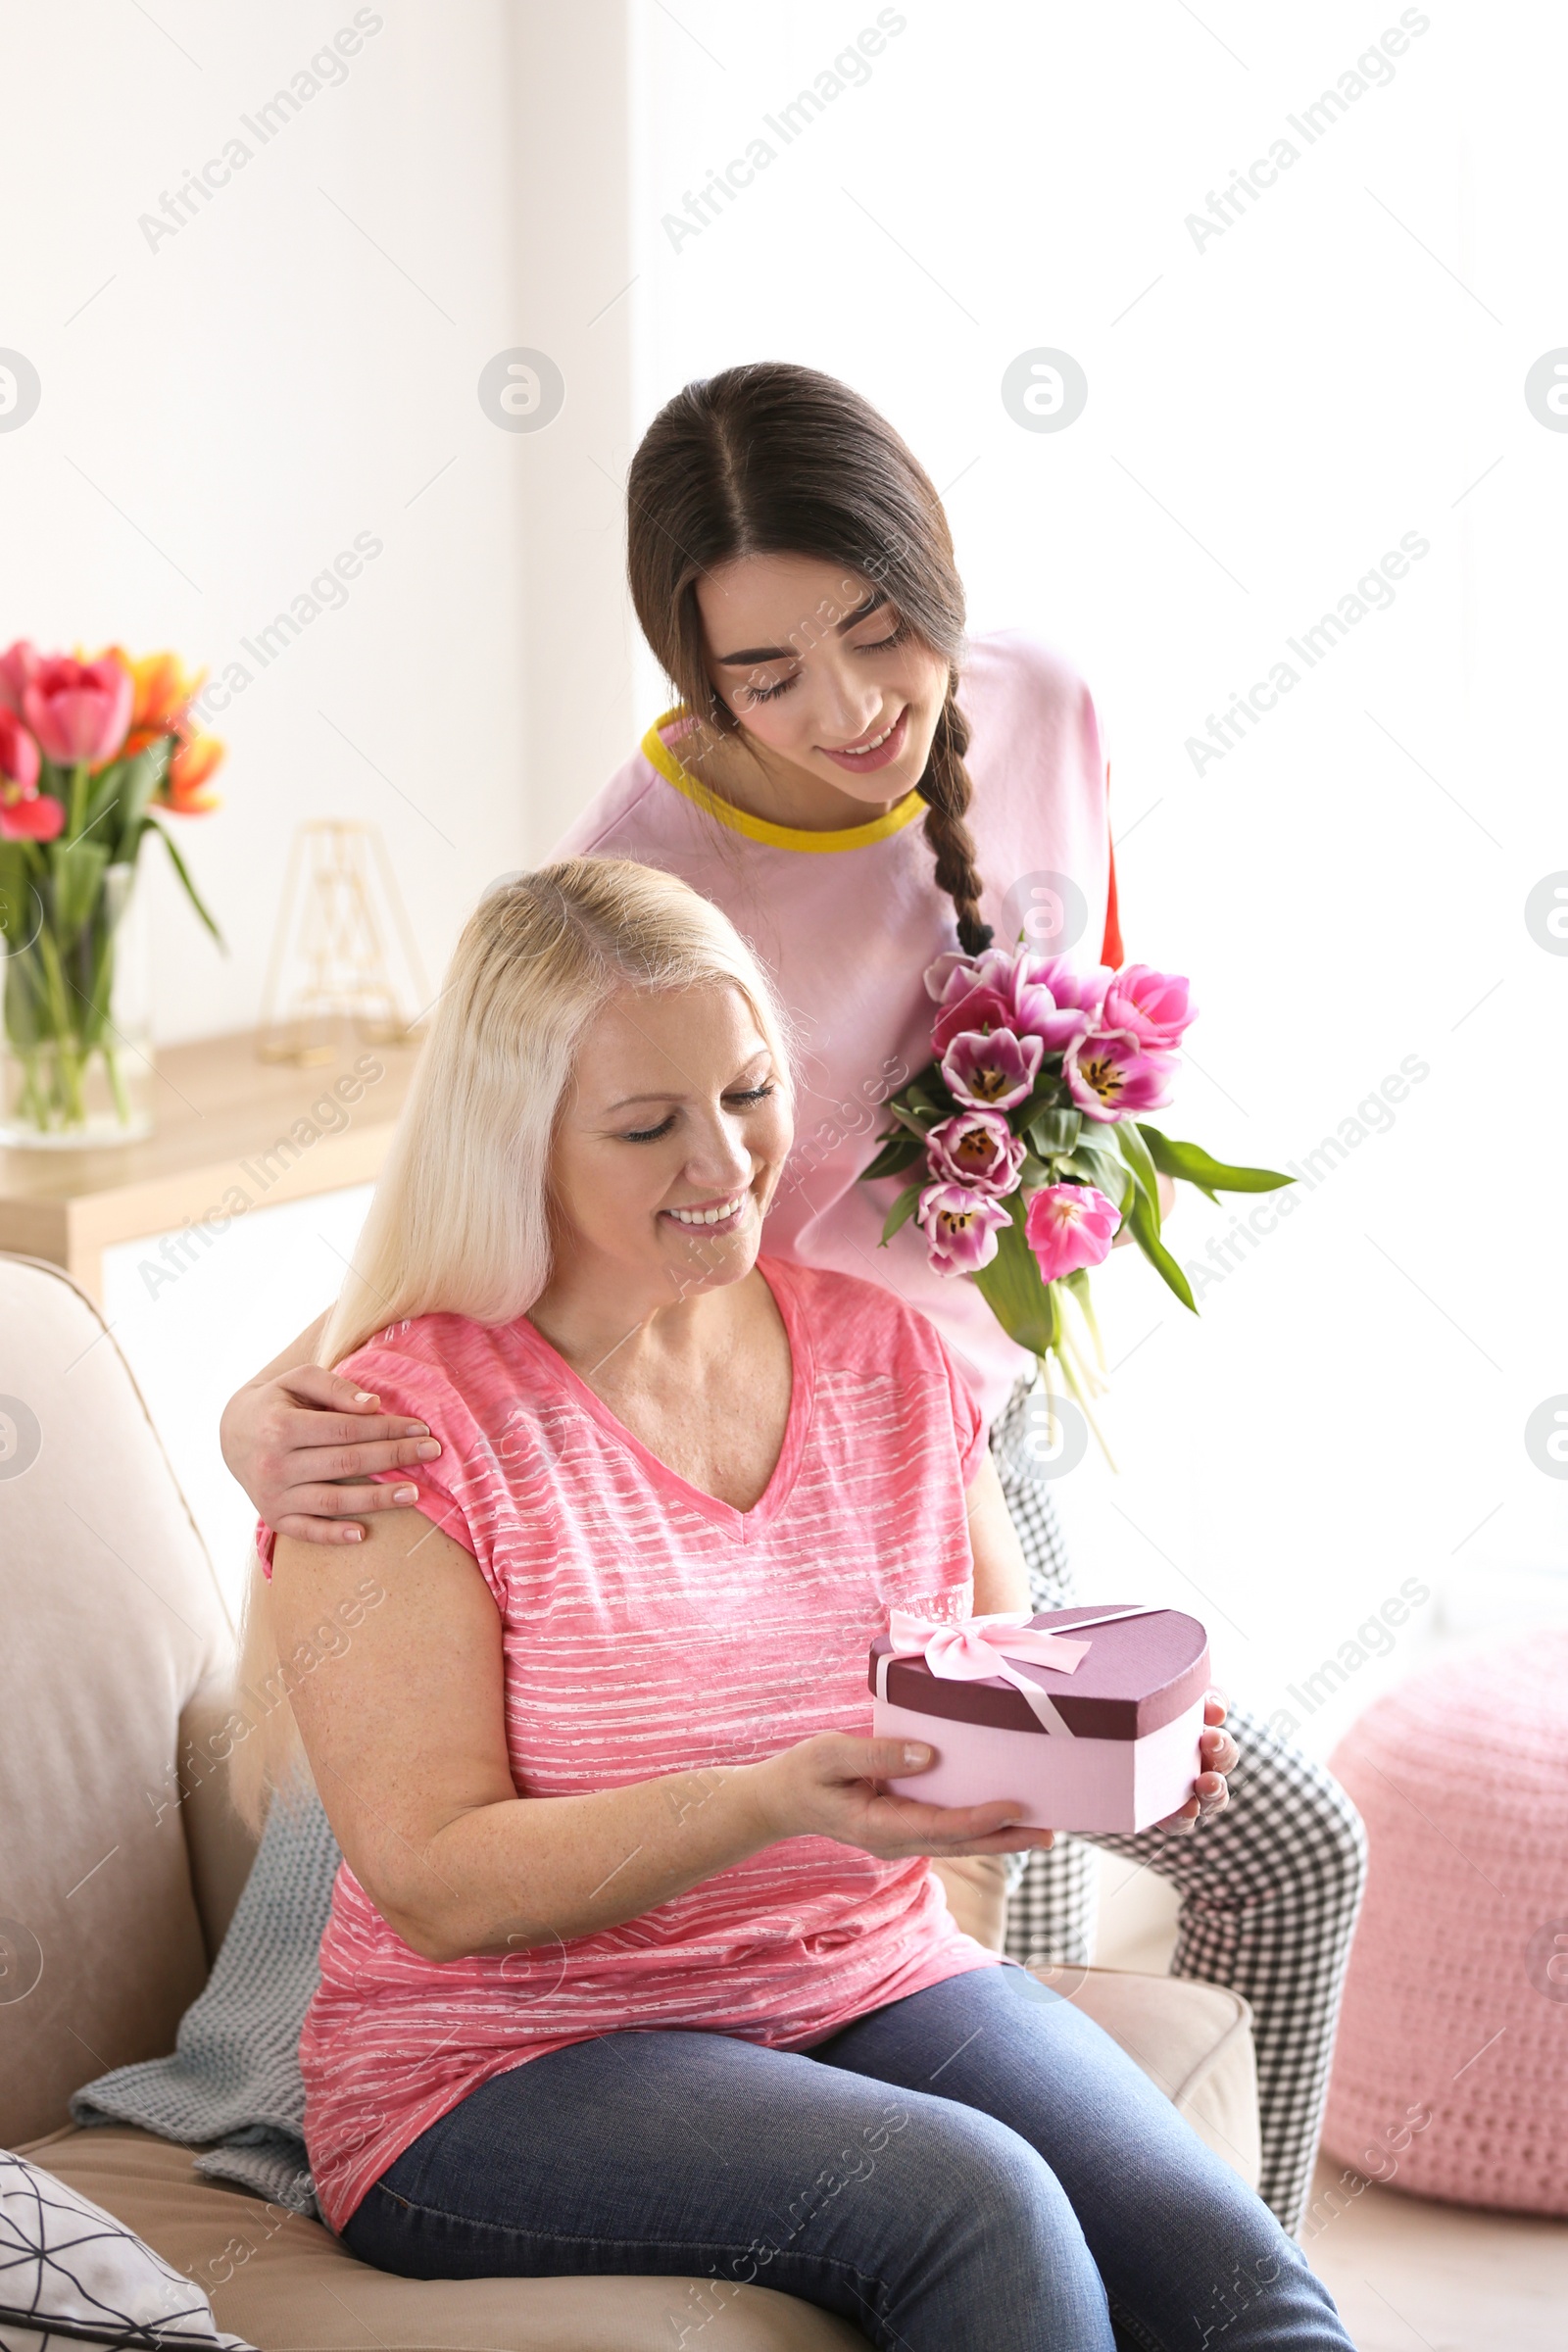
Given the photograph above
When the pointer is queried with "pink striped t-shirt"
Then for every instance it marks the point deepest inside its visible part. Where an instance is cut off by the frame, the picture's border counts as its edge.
(647, 1628)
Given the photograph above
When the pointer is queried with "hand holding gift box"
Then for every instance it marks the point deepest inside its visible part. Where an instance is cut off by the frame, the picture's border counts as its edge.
(1089, 1717)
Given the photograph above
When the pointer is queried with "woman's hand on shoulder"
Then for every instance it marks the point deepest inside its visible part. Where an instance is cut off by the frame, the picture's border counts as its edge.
(830, 1786)
(292, 1438)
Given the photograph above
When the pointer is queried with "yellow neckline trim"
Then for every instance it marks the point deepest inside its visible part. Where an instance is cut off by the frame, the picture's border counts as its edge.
(758, 828)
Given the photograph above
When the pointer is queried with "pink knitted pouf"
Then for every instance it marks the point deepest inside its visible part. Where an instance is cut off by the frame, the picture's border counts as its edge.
(1450, 2077)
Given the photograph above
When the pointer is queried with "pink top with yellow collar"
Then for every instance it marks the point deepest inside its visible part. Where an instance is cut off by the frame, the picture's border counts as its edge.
(847, 923)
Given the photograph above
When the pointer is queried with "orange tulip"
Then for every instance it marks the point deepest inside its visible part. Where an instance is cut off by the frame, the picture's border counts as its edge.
(164, 691)
(194, 761)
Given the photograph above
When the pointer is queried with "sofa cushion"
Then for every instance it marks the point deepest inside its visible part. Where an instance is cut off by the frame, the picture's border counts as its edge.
(289, 2285)
(112, 1623)
(1194, 2041)
(71, 2271)
(286, 2284)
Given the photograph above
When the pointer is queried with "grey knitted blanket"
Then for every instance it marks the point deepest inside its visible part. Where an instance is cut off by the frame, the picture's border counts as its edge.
(235, 2077)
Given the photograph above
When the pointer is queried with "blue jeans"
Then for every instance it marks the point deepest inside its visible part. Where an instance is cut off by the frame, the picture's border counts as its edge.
(977, 2168)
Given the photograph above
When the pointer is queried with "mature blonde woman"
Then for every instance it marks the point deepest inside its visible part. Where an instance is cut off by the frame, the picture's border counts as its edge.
(631, 1966)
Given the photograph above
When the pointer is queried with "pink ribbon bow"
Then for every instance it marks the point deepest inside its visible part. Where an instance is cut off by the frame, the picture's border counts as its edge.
(977, 1648)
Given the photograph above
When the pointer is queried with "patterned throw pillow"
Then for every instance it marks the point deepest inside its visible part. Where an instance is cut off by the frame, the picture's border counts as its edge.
(71, 2274)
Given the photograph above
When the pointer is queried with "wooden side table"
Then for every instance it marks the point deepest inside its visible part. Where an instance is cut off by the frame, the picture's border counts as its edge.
(233, 1133)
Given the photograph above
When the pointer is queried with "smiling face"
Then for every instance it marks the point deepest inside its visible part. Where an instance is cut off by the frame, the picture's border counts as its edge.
(668, 1147)
(824, 676)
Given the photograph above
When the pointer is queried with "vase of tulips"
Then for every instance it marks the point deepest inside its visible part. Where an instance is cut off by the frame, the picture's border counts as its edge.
(93, 755)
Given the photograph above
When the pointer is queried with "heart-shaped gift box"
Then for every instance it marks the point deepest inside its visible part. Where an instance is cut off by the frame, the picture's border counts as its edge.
(1105, 1739)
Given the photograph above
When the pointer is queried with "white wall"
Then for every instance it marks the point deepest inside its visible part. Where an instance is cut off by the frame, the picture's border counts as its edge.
(227, 405)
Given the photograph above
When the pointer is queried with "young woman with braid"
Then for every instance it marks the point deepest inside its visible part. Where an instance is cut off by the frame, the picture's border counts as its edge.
(860, 787)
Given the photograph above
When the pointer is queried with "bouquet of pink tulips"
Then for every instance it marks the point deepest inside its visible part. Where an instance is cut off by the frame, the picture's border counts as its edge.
(1023, 1132)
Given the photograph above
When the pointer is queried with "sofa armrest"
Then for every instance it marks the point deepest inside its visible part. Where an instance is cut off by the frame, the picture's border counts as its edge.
(221, 1848)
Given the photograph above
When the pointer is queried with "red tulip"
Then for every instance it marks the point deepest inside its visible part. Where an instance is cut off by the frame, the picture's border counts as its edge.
(78, 711)
(26, 813)
(17, 665)
(19, 759)
(36, 819)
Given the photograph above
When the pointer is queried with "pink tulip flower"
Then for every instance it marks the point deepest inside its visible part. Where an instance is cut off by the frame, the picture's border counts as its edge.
(1083, 990)
(1109, 1072)
(1157, 1006)
(992, 1072)
(1003, 991)
(978, 1149)
(17, 664)
(961, 1227)
(1069, 1226)
(938, 977)
(80, 710)
(980, 1008)
(19, 759)
(1038, 1012)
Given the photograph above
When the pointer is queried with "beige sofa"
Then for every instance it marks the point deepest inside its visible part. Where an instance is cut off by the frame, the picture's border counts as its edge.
(121, 1863)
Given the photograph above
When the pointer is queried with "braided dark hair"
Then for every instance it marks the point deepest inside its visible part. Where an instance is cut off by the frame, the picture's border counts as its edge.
(771, 459)
(947, 793)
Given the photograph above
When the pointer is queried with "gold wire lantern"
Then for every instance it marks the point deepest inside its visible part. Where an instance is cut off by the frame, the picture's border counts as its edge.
(329, 967)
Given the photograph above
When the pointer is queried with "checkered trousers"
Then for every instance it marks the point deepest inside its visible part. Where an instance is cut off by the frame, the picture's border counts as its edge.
(1269, 1887)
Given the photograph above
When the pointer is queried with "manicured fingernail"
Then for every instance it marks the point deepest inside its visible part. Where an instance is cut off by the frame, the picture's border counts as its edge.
(354, 1535)
(364, 1396)
(914, 1753)
(428, 1451)
(405, 1493)
(416, 1429)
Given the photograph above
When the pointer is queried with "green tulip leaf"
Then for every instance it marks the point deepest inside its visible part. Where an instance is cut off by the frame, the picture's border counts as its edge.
(902, 1209)
(1193, 1166)
(913, 1122)
(1135, 1152)
(899, 1151)
(17, 909)
(1101, 1168)
(1054, 1131)
(150, 825)
(77, 871)
(27, 1011)
(1048, 1093)
(120, 799)
(1143, 1222)
(1025, 1306)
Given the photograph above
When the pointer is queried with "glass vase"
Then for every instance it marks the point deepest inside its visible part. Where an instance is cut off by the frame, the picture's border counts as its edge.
(77, 1066)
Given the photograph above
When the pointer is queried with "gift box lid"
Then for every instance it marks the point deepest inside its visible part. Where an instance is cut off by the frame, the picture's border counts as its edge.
(1140, 1672)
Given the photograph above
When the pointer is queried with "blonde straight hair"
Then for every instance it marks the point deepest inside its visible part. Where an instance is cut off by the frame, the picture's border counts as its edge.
(464, 1221)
